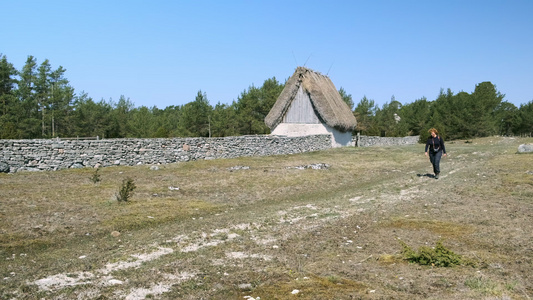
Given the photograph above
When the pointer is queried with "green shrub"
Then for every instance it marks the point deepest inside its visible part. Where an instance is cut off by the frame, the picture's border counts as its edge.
(126, 190)
(95, 178)
(439, 256)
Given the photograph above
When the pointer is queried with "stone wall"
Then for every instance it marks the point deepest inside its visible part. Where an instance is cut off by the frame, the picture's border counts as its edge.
(368, 141)
(55, 154)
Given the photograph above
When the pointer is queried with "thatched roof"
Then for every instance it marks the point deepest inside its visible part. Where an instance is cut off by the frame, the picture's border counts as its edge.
(325, 98)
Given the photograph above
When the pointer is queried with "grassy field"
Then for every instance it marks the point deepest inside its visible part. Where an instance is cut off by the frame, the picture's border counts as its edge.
(269, 228)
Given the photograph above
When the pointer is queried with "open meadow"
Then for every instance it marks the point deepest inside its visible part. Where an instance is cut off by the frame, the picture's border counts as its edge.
(346, 223)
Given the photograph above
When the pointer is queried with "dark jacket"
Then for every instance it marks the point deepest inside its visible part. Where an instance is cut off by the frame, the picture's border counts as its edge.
(438, 142)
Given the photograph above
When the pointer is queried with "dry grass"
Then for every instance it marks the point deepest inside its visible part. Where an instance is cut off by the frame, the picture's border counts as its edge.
(270, 230)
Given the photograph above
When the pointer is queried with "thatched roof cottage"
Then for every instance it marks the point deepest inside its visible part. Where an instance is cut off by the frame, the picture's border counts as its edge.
(310, 104)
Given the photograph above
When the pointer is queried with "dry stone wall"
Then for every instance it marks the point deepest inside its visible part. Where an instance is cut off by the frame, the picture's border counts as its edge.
(369, 141)
(54, 154)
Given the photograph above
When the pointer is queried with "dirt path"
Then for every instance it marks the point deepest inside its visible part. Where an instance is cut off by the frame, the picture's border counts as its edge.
(344, 246)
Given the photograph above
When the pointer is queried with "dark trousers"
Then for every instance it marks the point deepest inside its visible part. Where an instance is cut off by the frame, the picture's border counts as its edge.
(434, 158)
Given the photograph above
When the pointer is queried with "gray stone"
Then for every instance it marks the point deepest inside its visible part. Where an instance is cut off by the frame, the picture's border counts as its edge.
(234, 168)
(245, 286)
(4, 167)
(525, 148)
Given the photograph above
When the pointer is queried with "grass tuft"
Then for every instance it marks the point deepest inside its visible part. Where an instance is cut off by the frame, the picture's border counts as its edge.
(446, 229)
(311, 287)
(483, 286)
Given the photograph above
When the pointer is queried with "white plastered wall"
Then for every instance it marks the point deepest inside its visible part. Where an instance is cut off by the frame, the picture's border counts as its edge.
(338, 139)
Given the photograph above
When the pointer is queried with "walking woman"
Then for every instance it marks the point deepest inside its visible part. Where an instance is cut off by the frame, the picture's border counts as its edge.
(435, 149)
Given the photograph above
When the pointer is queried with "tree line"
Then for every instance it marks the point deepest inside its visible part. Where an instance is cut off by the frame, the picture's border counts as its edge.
(457, 116)
(39, 102)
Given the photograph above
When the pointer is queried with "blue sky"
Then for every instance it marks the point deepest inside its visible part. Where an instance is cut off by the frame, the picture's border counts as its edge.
(161, 53)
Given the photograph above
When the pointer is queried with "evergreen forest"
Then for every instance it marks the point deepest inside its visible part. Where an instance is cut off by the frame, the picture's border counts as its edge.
(39, 102)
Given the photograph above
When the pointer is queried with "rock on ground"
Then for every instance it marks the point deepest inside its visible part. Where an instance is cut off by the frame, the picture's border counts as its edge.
(4, 167)
(525, 148)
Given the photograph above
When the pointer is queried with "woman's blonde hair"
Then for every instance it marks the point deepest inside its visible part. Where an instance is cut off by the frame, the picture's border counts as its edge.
(433, 130)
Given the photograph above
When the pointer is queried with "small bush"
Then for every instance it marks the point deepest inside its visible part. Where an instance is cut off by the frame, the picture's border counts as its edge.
(95, 178)
(126, 190)
(439, 256)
